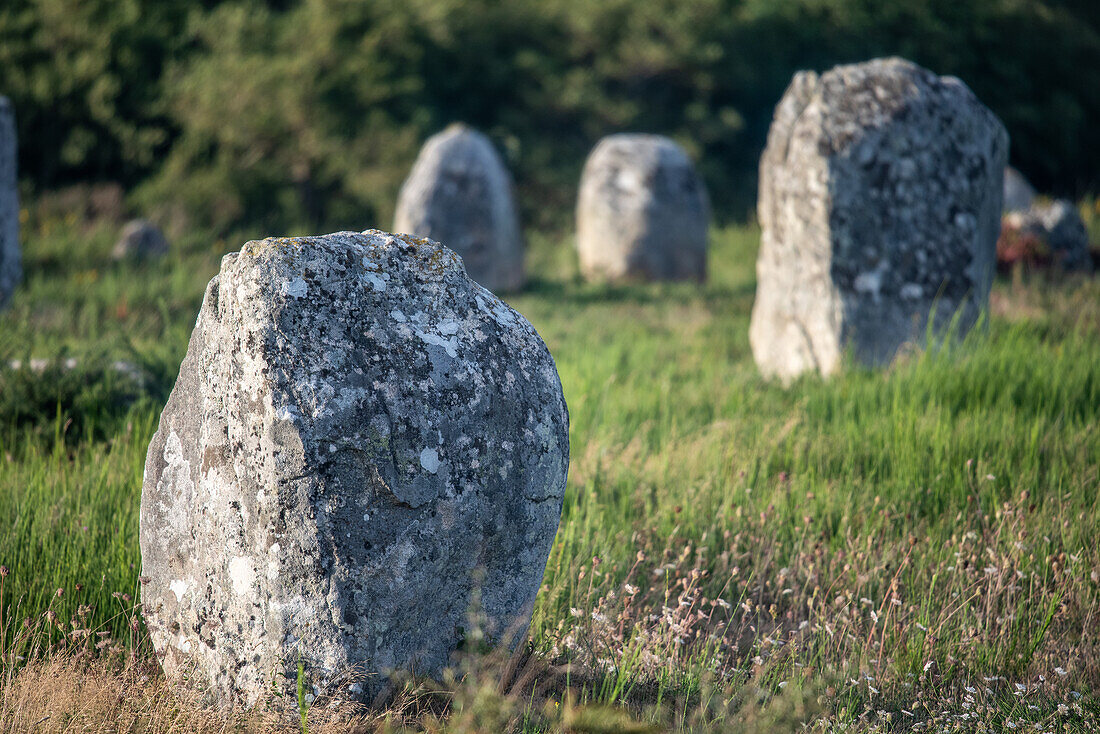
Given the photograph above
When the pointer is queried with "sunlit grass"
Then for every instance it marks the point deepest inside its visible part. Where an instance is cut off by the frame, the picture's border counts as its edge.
(881, 542)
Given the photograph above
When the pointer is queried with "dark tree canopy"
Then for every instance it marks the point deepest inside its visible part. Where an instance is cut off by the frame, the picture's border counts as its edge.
(307, 113)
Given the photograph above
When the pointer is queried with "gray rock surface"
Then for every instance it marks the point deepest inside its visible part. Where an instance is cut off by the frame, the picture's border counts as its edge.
(362, 444)
(880, 204)
(1059, 225)
(642, 211)
(140, 239)
(1018, 193)
(11, 270)
(460, 194)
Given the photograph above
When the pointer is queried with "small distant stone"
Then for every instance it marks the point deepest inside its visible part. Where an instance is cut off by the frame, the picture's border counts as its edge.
(11, 270)
(346, 469)
(1047, 234)
(460, 194)
(1019, 194)
(140, 240)
(642, 212)
(880, 203)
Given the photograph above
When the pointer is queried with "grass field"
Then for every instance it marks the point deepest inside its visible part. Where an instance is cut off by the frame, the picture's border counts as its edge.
(912, 549)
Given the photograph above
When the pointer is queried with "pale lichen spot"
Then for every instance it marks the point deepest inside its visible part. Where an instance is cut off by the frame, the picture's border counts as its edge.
(296, 288)
(242, 575)
(429, 459)
(179, 588)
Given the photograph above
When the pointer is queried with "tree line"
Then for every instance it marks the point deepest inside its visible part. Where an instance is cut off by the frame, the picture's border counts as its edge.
(287, 114)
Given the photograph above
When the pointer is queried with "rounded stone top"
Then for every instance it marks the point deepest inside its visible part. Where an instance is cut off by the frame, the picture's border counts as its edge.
(641, 151)
(459, 193)
(459, 144)
(855, 98)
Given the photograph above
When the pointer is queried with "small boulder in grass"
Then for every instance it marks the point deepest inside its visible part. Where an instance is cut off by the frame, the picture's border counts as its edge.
(1049, 234)
(642, 212)
(460, 194)
(363, 447)
(880, 204)
(140, 240)
(11, 271)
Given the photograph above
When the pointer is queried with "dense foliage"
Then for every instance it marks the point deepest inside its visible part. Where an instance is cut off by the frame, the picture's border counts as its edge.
(307, 113)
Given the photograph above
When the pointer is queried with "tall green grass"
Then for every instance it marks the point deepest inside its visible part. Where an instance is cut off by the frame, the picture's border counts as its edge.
(908, 483)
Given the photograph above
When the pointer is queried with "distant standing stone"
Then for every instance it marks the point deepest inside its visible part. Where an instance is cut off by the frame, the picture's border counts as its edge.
(362, 446)
(140, 240)
(642, 212)
(460, 194)
(880, 204)
(11, 270)
(1018, 193)
(1059, 226)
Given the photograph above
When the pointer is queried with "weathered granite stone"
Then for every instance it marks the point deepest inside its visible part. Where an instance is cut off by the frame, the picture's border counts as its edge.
(140, 240)
(362, 443)
(1059, 226)
(460, 194)
(1018, 193)
(880, 204)
(642, 211)
(11, 270)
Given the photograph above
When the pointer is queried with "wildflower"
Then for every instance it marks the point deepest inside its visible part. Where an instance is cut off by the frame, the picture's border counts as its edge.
(4, 571)
(576, 612)
(1062, 673)
(630, 589)
(59, 593)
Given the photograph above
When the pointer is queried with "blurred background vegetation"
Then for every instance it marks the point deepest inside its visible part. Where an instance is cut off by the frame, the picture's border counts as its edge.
(306, 114)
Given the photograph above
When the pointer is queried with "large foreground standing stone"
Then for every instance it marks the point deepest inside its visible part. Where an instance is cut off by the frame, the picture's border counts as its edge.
(642, 211)
(11, 271)
(459, 193)
(880, 204)
(362, 447)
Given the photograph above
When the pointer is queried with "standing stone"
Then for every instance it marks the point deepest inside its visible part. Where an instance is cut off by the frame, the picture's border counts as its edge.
(362, 447)
(11, 271)
(140, 240)
(459, 193)
(880, 204)
(1018, 193)
(642, 212)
